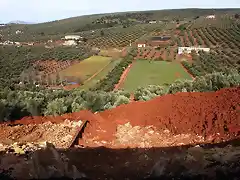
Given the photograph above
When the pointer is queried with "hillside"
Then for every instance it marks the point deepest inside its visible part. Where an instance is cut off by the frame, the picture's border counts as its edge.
(91, 22)
(108, 94)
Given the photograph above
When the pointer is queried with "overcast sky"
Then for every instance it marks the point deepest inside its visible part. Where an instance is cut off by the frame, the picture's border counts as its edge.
(48, 10)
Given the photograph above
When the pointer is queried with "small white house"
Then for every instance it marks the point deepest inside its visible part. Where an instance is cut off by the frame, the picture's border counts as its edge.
(71, 40)
(140, 45)
(70, 43)
(211, 17)
(18, 32)
(152, 22)
(188, 50)
(73, 37)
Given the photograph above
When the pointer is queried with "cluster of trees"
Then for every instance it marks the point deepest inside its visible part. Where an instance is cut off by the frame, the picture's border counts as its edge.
(64, 53)
(209, 82)
(19, 103)
(113, 77)
(206, 63)
(14, 60)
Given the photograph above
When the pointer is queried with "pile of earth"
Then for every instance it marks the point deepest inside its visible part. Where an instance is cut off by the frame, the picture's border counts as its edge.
(213, 116)
(142, 139)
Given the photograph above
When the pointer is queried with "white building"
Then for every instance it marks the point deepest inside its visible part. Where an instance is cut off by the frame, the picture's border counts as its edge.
(152, 22)
(140, 45)
(73, 37)
(70, 43)
(18, 32)
(71, 40)
(211, 17)
(188, 50)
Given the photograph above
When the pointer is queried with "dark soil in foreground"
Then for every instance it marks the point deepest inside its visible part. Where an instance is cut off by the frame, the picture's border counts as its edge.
(209, 162)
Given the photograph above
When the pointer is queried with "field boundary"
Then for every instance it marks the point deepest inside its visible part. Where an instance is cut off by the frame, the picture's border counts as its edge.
(187, 71)
(124, 75)
(95, 74)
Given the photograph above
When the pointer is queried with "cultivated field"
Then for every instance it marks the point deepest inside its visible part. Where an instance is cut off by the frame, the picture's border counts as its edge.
(102, 74)
(144, 73)
(86, 68)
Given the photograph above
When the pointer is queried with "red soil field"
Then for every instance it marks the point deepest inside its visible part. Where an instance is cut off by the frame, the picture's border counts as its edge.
(213, 115)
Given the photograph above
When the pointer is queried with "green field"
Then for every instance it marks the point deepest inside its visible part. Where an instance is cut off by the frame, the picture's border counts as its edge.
(144, 73)
(86, 68)
(101, 75)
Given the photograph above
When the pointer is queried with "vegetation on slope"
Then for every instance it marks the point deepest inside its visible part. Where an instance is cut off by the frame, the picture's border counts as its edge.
(209, 82)
(113, 77)
(15, 60)
(145, 73)
(20, 103)
(56, 29)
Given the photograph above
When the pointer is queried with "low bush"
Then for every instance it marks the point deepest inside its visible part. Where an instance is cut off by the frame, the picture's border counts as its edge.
(209, 82)
(15, 104)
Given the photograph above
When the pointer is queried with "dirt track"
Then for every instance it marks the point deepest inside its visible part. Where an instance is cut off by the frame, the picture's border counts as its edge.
(124, 76)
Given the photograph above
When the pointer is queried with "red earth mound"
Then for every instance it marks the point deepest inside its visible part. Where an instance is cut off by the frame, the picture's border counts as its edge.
(207, 114)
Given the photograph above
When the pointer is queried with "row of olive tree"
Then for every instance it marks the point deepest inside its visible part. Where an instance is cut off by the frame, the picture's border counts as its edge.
(15, 104)
(113, 77)
(209, 82)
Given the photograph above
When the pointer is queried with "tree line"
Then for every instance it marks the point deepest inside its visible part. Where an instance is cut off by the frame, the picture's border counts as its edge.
(15, 104)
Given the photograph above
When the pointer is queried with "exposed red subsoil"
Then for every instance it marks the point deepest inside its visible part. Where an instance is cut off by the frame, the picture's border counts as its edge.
(123, 76)
(214, 115)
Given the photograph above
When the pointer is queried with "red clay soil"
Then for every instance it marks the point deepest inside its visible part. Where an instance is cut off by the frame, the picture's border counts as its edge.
(214, 115)
(123, 76)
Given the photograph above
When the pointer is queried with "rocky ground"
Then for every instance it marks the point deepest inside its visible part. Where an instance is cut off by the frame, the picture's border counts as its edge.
(44, 161)
(61, 135)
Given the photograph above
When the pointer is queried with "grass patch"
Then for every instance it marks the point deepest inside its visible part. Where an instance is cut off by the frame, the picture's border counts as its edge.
(144, 73)
(86, 68)
(101, 75)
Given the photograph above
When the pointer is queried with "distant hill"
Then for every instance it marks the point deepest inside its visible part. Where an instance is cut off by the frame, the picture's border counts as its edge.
(76, 25)
(20, 22)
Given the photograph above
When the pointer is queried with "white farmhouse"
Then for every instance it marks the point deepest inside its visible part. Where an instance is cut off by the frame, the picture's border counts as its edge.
(18, 32)
(71, 40)
(188, 50)
(211, 17)
(152, 22)
(70, 43)
(73, 37)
